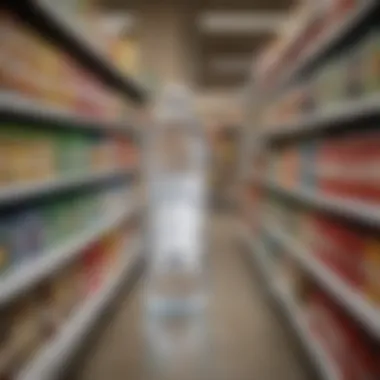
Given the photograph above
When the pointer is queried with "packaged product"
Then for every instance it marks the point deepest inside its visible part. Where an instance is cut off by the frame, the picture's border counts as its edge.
(347, 167)
(57, 223)
(73, 152)
(329, 326)
(92, 269)
(115, 244)
(288, 168)
(308, 152)
(18, 151)
(372, 269)
(66, 292)
(355, 85)
(340, 247)
(19, 242)
(43, 158)
(372, 62)
(5, 174)
(23, 338)
(102, 153)
(47, 313)
(5, 254)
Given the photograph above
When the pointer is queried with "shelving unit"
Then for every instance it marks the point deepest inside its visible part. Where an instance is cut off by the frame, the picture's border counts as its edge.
(283, 180)
(318, 355)
(353, 301)
(330, 118)
(354, 210)
(21, 192)
(54, 356)
(282, 297)
(65, 30)
(329, 40)
(106, 142)
(16, 107)
(28, 274)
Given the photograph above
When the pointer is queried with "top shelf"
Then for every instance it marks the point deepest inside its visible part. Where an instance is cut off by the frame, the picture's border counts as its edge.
(67, 32)
(328, 41)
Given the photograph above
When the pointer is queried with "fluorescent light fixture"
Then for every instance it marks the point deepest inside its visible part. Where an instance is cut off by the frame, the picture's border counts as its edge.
(240, 22)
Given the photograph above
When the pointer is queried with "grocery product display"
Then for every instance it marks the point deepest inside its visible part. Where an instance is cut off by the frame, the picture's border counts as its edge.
(30, 232)
(316, 192)
(41, 314)
(322, 25)
(67, 177)
(35, 68)
(341, 167)
(32, 154)
(354, 74)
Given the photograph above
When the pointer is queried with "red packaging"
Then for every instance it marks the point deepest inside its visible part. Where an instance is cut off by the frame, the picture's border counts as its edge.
(93, 269)
(333, 337)
(341, 248)
(348, 168)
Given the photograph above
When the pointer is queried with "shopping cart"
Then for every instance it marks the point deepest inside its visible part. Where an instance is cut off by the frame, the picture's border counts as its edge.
(176, 166)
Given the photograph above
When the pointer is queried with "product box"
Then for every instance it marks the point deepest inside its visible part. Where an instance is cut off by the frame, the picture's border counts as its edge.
(49, 319)
(66, 292)
(22, 246)
(371, 68)
(23, 336)
(341, 248)
(308, 152)
(92, 269)
(372, 268)
(5, 249)
(347, 167)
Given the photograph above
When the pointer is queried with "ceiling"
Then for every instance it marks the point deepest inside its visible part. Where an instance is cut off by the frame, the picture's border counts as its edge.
(229, 33)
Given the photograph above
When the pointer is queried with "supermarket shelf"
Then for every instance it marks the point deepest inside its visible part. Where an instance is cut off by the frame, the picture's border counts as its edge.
(53, 358)
(30, 273)
(317, 354)
(353, 301)
(315, 350)
(354, 210)
(331, 117)
(330, 39)
(21, 192)
(65, 30)
(17, 107)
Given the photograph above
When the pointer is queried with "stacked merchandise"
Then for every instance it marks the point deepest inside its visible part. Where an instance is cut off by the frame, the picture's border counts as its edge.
(29, 232)
(338, 167)
(64, 250)
(35, 68)
(316, 195)
(355, 74)
(115, 39)
(37, 317)
(32, 154)
(318, 22)
(347, 251)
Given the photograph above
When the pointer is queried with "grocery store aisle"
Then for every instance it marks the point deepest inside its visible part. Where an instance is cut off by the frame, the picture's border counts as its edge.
(244, 339)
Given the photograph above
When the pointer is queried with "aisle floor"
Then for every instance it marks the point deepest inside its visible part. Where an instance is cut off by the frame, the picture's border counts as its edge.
(240, 338)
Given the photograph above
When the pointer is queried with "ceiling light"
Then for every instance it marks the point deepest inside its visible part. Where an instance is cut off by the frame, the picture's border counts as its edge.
(240, 22)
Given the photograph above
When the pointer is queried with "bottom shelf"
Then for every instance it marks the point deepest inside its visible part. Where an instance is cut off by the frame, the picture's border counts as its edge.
(318, 355)
(51, 360)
